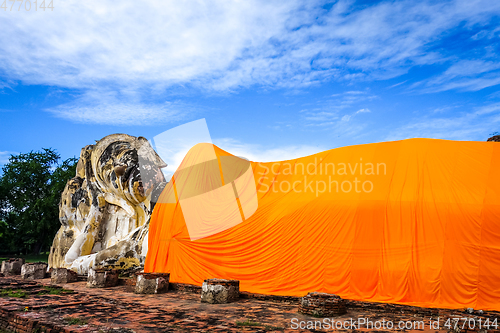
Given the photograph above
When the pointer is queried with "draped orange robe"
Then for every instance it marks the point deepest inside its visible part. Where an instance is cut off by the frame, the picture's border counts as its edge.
(424, 230)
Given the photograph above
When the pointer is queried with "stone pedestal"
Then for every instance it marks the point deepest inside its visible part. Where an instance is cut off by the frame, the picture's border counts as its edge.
(152, 283)
(63, 275)
(12, 266)
(219, 291)
(322, 305)
(34, 271)
(102, 278)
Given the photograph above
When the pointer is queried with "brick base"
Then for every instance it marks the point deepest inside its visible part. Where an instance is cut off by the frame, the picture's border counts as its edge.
(11, 321)
(322, 305)
(152, 283)
(102, 278)
(219, 291)
(34, 271)
(63, 275)
(12, 266)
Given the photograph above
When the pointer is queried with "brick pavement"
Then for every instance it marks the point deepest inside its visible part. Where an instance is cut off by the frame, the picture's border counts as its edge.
(119, 310)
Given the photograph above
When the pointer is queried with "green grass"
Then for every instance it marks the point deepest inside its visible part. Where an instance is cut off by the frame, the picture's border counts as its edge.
(273, 328)
(43, 257)
(54, 291)
(13, 293)
(248, 322)
(75, 321)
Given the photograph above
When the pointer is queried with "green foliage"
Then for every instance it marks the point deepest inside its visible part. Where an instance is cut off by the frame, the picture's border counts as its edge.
(54, 291)
(13, 293)
(3, 228)
(248, 322)
(30, 190)
(75, 321)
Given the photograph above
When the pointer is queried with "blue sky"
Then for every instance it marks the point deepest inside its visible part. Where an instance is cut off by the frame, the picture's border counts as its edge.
(274, 80)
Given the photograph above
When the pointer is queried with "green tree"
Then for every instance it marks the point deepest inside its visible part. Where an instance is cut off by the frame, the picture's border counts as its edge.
(30, 190)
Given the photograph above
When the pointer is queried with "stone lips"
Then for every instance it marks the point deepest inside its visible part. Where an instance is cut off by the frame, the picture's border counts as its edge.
(322, 305)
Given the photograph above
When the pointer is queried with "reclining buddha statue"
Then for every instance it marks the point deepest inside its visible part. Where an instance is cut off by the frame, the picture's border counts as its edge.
(104, 210)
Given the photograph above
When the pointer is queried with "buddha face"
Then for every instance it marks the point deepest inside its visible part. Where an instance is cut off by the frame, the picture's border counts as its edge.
(128, 170)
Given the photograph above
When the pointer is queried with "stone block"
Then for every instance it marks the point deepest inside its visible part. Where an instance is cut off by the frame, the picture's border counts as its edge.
(322, 305)
(219, 291)
(12, 266)
(102, 278)
(34, 270)
(152, 283)
(63, 275)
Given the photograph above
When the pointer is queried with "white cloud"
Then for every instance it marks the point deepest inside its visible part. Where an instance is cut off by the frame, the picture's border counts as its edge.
(475, 125)
(84, 43)
(363, 111)
(466, 75)
(110, 108)
(488, 109)
(173, 144)
(350, 93)
(252, 152)
(397, 84)
(494, 95)
(487, 34)
(351, 98)
(259, 153)
(327, 113)
(222, 45)
(225, 44)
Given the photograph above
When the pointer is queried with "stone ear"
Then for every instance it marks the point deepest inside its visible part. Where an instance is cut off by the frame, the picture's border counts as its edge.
(81, 167)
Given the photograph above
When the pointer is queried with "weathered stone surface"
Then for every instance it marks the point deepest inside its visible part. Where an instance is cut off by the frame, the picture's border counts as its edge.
(104, 211)
(220, 291)
(116, 310)
(322, 305)
(102, 278)
(63, 275)
(152, 283)
(12, 266)
(34, 271)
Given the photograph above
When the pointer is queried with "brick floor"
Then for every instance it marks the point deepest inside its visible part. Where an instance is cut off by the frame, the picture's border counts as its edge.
(119, 310)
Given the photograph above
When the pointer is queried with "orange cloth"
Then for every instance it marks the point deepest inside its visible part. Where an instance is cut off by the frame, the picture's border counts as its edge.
(427, 234)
